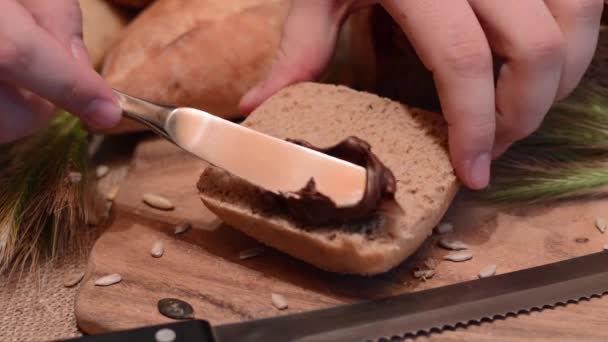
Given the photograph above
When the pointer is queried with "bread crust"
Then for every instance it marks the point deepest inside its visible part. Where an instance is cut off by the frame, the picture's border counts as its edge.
(412, 143)
(196, 53)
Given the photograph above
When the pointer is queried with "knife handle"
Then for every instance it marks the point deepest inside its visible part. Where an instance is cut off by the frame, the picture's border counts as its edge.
(185, 331)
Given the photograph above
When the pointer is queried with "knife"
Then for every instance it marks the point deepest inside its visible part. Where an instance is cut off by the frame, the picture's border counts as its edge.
(408, 314)
(273, 164)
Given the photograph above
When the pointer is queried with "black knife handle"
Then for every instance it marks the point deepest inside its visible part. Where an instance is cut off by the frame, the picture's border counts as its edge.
(185, 331)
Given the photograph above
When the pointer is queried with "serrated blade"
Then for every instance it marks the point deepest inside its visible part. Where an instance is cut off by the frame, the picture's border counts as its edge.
(424, 311)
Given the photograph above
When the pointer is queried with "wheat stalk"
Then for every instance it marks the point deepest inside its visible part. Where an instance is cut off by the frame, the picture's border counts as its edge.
(42, 213)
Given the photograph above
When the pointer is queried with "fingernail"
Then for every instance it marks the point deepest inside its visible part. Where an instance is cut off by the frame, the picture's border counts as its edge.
(479, 171)
(101, 114)
(79, 50)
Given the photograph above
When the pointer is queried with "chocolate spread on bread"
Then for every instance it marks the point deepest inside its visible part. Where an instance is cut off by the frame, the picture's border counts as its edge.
(312, 207)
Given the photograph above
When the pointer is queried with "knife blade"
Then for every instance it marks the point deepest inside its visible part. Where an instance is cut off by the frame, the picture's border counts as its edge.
(273, 164)
(423, 311)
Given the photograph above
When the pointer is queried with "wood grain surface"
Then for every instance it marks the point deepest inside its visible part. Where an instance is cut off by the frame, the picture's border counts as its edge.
(203, 267)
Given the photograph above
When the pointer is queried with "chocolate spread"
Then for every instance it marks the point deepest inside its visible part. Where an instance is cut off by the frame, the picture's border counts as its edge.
(312, 207)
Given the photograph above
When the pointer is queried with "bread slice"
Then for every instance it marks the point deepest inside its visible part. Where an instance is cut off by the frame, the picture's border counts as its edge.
(411, 142)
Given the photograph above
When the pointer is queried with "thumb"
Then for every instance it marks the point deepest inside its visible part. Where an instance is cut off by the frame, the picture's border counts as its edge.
(308, 40)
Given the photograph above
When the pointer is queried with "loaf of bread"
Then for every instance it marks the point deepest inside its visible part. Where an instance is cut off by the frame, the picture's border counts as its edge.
(102, 24)
(197, 53)
(412, 143)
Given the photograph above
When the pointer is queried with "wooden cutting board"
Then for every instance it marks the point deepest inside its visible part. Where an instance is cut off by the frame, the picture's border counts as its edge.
(203, 267)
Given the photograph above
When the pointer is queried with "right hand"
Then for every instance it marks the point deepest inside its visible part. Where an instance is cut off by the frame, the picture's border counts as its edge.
(43, 65)
(547, 45)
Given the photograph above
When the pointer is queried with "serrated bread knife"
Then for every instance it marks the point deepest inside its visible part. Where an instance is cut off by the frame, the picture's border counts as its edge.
(404, 315)
(273, 164)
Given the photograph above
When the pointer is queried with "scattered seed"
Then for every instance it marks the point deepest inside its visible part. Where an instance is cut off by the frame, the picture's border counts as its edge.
(108, 280)
(73, 279)
(424, 274)
(459, 256)
(487, 271)
(454, 245)
(250, 253)
(165, 335)
(279, 301)
(175, 308)
(157, 202)
(581, 240)
(102, 171)
(182, 228)
(157, 249)
(111, 195)
(74, 177)
(600, 224)
(445, 227)
(430, 263)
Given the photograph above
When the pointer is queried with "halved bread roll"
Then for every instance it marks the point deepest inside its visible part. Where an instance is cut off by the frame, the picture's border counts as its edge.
(410, 142)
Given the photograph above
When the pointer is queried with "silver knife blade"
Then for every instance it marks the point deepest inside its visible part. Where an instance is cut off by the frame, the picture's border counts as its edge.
(273, 164)
(438, 308)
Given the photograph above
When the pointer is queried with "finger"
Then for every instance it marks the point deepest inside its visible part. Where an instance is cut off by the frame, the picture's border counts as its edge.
(32, 59)
(579, 21)
(529, 78)
(308, 39)
(21, 113)
(63, 20)
(451, 43)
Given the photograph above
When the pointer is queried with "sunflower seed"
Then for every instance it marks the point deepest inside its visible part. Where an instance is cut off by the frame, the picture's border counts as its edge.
(73, 279)
(157, 249)
(111, 195)
(581, 240)
(454, 245)
(424, 274)
(430, 263)
(74, 177)
(600, 224)
(487, 271)
(444, 228)
(165, 335)
(157, 202)
(175, 308)
(182, 228)
(102, 171)
(250, 253)
(279, 301)
(108, 280)
(458, 257)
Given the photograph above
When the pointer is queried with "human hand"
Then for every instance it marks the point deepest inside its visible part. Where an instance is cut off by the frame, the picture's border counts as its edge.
(547, 46)
(43, 64)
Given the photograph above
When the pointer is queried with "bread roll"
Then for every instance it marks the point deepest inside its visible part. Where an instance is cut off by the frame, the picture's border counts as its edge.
(412, 143)
(102, 24)
(198, 53)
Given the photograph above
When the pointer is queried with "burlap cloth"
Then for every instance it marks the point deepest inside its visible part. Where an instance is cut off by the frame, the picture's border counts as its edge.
(38, 307)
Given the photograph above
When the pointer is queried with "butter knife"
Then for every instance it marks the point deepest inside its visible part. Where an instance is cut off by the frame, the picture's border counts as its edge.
(273, 164)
